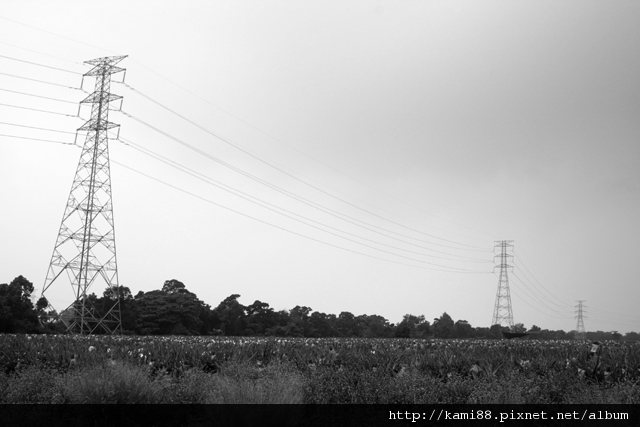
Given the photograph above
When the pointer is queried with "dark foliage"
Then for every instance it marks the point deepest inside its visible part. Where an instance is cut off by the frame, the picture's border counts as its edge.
(174, 310)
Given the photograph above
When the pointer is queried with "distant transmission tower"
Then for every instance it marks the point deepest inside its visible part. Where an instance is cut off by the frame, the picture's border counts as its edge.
(85, 251)
(581, 334)
(502, 311)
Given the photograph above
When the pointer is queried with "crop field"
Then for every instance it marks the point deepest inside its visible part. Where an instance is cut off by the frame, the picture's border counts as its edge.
(154, 369)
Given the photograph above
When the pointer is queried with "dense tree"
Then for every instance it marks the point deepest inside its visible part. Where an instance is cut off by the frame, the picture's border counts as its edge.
(412, 327)
(260, 318)
(17, 313)
(480, 332)
(282, 327)
(128, 308)
(173, 286)
(519, 328)
(632, 336)
(604, 336)
(232, 316)
(298, 325)
(495, 331)
(150, 313)
(121, 292)
(171, 311)
(347, 325)
(463, 329)
(443, 327)
(375, 326)
(322, 325)
(175, 310)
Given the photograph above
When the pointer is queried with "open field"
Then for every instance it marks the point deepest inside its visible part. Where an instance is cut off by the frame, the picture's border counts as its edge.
(154, 369)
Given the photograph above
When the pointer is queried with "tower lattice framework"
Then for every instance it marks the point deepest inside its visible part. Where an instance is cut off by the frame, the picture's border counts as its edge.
(502, 312)
(581, 333)
(85, 251)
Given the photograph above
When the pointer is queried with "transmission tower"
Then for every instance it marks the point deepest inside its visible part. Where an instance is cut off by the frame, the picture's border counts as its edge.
(85, 250)
(581, 334)
(502, 311)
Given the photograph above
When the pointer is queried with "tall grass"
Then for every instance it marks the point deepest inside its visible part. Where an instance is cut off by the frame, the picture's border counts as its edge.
(65, 369)
(248, 383)
(32, 385)
(114, 383)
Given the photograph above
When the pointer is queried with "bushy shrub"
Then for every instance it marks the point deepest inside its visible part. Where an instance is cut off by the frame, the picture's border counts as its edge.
(330, 384)
(116, 382)
(246, 382)
(32, 384)
(193, 386)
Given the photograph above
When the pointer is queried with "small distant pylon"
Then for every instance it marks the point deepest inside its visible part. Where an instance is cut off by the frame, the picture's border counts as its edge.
(85, 250)
(581, 334)
(502, 313)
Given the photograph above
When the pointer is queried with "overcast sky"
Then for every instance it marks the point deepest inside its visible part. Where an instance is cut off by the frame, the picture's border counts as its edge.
(418, 133)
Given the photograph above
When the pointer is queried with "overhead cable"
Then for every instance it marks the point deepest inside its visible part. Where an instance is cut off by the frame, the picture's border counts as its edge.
(209, 156)
(42, 81)
(57, 35)
(39, 96)
(331, 212)
(39, 65)
(294, 148)
(531, 274)
(41, 53)
(273, 208)
(278, 227)
(39, 128)
(38, 139)
(41, 111)
(249, 153)
(534, 297)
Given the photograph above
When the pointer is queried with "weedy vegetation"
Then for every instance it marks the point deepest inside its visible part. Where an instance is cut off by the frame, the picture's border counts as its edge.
(154, 369)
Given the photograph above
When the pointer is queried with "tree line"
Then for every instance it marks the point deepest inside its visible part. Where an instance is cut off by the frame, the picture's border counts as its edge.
(174, 310)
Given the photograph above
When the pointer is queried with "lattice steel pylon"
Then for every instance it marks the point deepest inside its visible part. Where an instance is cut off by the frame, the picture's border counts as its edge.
(85, 250)
(502, 312)
(581, 334)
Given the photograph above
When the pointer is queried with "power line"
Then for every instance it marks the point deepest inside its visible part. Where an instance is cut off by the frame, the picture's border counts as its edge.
(609, 321)
(535, 297)
(37, 139)
(621, 319)
(41, 53)
(328, 210)
(299, 198)
(528, 271)
(23, 93)
(41, 111)
(615, 314)
(203, 153)
(39, 96)
(39, 65)
(261, 202)
(249, 153)
(293, 148)
(537, 291)
(34, 127)
(276, 226)
(538, 310)
(77, 41)
(41, 81)
(57, 35)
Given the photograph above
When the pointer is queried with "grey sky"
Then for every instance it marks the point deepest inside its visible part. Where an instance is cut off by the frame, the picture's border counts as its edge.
(468, 121)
